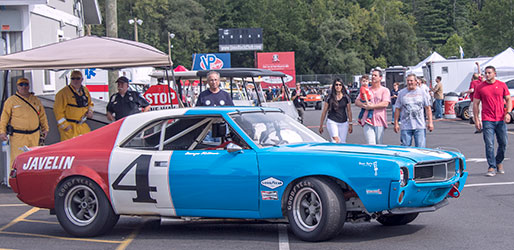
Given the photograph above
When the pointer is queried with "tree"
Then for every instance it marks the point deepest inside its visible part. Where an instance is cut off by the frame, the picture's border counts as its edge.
(451, 47)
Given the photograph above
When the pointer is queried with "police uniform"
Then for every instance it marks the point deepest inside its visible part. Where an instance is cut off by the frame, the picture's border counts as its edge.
(26, 123)
(129, 104)
(70, 108)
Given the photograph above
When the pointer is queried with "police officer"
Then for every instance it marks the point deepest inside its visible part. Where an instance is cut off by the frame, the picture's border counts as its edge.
(72, 107)
(25, 116)
(125, 102)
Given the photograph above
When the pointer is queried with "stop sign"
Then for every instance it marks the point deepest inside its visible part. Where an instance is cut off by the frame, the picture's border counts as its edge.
(159, 97)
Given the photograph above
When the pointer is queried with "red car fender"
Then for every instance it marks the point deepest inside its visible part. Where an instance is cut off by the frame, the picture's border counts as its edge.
(86, 172)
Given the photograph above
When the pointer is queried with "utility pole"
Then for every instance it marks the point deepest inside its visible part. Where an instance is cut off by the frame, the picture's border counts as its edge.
(111, 27)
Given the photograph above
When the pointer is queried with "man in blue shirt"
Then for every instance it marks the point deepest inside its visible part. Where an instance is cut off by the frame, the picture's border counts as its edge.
(214, 96)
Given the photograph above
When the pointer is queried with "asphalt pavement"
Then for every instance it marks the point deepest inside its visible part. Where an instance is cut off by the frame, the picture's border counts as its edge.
(480, 219)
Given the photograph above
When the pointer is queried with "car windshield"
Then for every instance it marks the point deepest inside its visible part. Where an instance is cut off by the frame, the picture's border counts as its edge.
(268, 129)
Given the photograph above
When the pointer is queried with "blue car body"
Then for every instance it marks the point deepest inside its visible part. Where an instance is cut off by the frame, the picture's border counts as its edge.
(230, 185)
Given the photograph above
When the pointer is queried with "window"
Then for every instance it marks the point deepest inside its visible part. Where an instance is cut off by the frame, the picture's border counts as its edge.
(186, 133)
(510, 84)
(147, 139)
(445, 70)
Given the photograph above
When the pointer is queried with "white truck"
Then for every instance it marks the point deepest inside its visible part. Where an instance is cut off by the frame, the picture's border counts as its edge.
(455, 73)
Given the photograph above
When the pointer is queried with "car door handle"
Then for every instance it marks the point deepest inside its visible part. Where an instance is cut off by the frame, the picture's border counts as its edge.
(161, 163)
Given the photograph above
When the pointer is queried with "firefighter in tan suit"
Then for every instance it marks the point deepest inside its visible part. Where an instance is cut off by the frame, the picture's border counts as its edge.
(28, 123)
(72, 107)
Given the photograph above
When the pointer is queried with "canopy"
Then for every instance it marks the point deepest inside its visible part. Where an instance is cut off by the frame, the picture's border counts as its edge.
(503, 61)
(86, 52)
(418, 69)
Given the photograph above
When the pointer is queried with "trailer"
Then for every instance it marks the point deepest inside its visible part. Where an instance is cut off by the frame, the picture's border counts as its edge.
(455, 73)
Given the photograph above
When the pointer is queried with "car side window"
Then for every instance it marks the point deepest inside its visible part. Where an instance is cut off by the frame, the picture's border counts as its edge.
(219, 135)
(146, 139)
(510, 84)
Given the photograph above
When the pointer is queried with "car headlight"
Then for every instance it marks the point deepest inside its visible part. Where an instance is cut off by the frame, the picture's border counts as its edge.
(318, 97)
(404, 176)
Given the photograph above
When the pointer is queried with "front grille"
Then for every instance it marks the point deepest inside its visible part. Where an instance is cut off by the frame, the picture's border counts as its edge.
(435, 171)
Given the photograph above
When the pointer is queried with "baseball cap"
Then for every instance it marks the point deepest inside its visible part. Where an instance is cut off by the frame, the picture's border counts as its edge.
(22, 80)
(123, 79)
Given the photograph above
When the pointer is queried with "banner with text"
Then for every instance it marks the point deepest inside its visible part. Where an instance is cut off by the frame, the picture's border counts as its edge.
(277, 61)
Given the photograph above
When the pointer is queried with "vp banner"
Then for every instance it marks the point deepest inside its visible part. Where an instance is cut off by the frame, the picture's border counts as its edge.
(211, 61)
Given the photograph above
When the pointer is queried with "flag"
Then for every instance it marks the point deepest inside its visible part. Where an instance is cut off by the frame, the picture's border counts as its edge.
(461, 51)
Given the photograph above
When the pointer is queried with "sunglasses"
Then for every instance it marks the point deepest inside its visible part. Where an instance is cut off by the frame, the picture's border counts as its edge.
(23, 84)
(338, 84)
(76, 78)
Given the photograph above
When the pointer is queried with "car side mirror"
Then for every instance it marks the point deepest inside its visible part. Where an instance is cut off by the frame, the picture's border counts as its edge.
(234, 148)
(219, 130)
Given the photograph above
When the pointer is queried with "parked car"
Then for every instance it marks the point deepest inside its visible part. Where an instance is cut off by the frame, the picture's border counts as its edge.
(232, 162)
(462, 109)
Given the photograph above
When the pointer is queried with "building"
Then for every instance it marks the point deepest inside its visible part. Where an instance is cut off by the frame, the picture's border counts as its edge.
(28, 24)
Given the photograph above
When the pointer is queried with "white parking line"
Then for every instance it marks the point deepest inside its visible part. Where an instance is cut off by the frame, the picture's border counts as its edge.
(283, 240)
(489, 184)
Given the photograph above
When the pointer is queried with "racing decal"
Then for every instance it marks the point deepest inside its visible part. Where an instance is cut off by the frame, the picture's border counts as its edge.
(49, 162)
(373, 165)
(269, 195)
(142, 186)
(429, 152)
(202, 153)
(373, 191)
(272, 183)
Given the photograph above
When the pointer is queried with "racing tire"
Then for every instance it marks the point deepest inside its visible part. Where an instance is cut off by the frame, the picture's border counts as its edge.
(465, 113)
(318, 106)
(316, 209)
(82, 208)
(397, 219)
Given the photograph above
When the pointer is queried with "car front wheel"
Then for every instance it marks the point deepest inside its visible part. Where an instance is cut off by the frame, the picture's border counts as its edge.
(397, 219)
(316, 209)
(83, 209)
(465, 113)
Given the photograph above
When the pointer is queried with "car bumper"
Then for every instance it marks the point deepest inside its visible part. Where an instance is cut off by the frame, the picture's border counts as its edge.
(424, 197)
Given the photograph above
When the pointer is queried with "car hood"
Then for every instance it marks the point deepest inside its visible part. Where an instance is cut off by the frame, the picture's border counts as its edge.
(415, 154)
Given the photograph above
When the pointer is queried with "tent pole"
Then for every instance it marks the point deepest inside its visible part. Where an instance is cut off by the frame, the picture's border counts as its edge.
(168, 89)
(4, 92)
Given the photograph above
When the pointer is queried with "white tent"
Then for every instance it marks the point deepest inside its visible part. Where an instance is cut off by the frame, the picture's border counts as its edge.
(504, 64)
(418, 69)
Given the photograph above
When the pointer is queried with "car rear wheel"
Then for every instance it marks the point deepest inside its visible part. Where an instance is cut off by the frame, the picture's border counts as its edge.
(397, 219)
(83, 209)
(465, 113)
(316, 209)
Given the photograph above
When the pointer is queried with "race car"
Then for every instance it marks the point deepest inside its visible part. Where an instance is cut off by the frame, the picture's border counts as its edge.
(231, 162)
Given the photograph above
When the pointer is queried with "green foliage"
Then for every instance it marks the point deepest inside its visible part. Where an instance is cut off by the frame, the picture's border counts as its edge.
(327, 36)
(451, 48)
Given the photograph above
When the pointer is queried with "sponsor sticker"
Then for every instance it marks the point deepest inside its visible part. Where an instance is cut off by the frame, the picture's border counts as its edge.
(373, 165)
(269, 195)
(272, 183)
(202, 153)
(373, 191)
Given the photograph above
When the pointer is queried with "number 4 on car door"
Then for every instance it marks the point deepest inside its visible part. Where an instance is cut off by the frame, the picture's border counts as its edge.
(142, 181)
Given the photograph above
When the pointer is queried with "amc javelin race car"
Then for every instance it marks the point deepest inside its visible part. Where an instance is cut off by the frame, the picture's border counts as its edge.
(231, 162)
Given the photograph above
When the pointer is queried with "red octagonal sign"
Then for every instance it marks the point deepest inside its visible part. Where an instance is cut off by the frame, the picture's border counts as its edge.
(159, 97)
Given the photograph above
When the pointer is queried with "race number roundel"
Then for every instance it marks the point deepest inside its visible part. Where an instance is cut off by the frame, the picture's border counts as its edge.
(159, 98)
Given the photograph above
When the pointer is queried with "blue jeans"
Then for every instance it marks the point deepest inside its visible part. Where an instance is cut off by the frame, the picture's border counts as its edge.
(489, 129)
(370, 113)
(439, 108)
(418, 134)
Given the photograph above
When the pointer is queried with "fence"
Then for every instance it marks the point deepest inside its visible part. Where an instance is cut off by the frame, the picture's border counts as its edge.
(324, 78)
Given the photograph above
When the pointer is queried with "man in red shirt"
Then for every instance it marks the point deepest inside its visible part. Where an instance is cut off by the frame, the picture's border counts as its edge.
(476, 80)
(491, 94)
